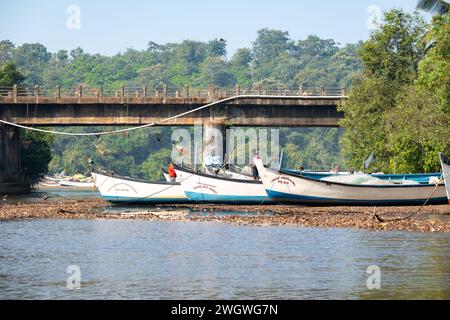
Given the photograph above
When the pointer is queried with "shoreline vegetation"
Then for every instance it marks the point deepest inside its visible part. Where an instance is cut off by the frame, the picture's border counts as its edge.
(432, 218)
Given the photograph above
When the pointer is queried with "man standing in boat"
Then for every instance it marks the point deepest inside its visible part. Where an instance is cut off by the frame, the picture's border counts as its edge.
(254, 155)
(172, 173)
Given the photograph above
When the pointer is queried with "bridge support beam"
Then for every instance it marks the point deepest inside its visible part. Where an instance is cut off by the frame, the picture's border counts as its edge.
(214, 141)
(10, 182)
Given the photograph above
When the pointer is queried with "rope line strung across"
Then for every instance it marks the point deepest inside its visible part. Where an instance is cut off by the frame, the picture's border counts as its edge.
(77, 134)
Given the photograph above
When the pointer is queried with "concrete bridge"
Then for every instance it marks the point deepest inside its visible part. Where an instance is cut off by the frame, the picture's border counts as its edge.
(135, 106)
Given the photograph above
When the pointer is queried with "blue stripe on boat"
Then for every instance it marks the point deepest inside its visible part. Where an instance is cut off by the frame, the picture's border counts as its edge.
(281, 196)
(418, 177)
(201, 197)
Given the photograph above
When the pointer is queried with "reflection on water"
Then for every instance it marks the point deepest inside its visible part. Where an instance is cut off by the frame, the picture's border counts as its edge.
(189, 260)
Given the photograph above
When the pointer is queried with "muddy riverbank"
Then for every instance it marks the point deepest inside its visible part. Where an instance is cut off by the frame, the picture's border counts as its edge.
(429, 219)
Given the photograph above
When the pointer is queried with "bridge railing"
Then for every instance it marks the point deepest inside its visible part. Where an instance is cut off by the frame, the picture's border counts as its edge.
(166, 91)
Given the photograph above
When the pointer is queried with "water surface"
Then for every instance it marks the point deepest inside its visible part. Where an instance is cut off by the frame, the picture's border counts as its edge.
(132, 259)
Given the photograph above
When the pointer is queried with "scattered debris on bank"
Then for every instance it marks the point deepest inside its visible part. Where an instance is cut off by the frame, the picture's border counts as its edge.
(430, 219)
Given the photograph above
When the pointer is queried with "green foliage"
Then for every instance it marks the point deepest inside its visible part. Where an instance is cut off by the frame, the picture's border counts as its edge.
(312, 148)
(434, 69)
(214, 71)
(32, 58)
(217, 48)
(315, 47)
(394, 49)
(6, 51)
(9, 75)
(274, 57)
(417, 130)
(399, 110)
(35, 157)
(122, 153)
(270, 44)
(156, 162)
(70, 153)
(34, 160)
(363, 122)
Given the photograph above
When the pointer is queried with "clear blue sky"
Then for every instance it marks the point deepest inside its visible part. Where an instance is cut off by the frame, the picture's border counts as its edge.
(108, 27)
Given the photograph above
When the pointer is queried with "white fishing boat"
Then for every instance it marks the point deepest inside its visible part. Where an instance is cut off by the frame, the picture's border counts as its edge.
(49, 184)
(418, 177)
(116, 188)
(208, 188)
(285, 187)
(77, 184)
(53, 178)
(445, 163)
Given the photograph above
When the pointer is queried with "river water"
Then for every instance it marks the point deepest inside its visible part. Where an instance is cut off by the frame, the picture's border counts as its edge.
(130, 259)
(177, 260)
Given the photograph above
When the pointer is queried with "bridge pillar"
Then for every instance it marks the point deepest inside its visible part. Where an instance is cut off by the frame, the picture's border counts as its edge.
(214, 141)
(10, 182)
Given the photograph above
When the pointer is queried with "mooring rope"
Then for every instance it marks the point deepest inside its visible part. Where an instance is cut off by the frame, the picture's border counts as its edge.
(377, 217)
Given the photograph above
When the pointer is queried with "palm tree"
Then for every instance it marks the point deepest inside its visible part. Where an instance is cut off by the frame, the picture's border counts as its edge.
(434, 6)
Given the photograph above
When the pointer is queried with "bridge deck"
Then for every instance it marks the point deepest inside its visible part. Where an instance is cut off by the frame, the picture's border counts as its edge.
(245, 108)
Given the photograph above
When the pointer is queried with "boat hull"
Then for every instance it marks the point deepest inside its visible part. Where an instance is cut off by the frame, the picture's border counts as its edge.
(283, 187)
(77, 184)
(126, 190)
(445, 164)
(215, 189)
(418, 177)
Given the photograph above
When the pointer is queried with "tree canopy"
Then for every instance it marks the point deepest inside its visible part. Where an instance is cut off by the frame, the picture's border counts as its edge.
(273, 58)
(9, 75)
(399, 110)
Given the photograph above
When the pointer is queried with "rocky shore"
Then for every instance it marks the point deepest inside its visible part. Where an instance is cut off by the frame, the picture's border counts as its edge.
(428, 219)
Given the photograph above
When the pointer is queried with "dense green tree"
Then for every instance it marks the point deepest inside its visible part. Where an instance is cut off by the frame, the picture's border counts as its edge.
(269, 44)
(434, 68)
(312, 148)
(77, 52)
(217, 48)
(398, 110)
(154, 76)
(32, 58)
(35, 152)
(156, 162)
(394, 50)
(189, 55)
(214, 71)
(9, 75)
(35, 156)
(31, 53)
(240, 67)
(242, 58)
(363, 122)
(416, 130)
(62, 57)
(153, 47)
(6, 51)
(314, 46)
